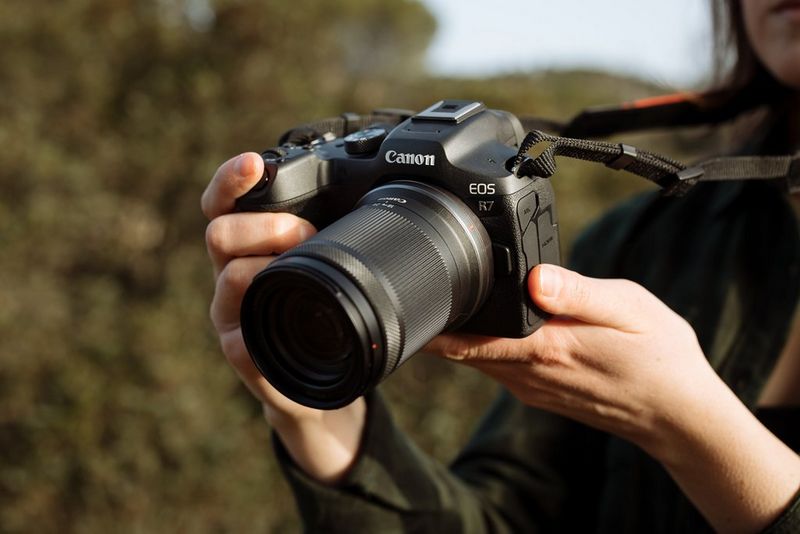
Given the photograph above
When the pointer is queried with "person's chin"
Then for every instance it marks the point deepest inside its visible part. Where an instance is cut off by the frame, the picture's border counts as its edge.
(782, 59)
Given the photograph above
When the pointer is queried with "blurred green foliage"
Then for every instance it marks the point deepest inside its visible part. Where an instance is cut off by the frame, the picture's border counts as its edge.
(117, 409)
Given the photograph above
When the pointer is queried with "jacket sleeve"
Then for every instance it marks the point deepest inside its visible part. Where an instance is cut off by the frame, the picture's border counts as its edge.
(524, 470)
(789, 521)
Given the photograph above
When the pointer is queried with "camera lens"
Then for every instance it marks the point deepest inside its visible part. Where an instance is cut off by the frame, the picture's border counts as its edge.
(331, 318)
(310, 331)
(317, 334)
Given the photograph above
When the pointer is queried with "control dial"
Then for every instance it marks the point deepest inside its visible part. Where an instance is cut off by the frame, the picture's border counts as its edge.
(364, 141)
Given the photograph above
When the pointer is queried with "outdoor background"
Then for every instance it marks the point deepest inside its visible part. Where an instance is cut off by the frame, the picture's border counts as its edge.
(118, 412)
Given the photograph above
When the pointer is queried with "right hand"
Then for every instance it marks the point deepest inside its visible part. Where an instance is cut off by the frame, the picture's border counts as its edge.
(323, 443)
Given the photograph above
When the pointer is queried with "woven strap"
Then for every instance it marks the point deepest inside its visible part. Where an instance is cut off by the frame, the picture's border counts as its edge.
(672, 176)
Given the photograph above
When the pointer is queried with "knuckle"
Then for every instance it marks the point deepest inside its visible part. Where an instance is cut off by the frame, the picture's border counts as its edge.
(686, 328)
(549, 348)
(210, 195)
(235, 277)
(635, 294)
(547, 356)
(234, 350)
(459, 351)
(281, 225)
(217, 314)
(580, 291)
(632, 287)
(286, 230)
(216, 235)
(550, 354)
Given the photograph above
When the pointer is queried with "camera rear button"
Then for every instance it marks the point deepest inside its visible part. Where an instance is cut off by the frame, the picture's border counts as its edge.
(530, 245)
(502, 260)
(526, 210)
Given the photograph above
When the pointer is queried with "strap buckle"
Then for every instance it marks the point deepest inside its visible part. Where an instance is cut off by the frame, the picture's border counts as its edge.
(793, 176)
(679, 183)
(627, 155)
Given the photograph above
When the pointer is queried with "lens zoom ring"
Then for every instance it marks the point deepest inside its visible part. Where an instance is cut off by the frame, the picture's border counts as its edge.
(397, 266)
(413, 267)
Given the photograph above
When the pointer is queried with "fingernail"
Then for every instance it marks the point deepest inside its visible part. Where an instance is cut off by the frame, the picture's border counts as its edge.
(549, 281)
(306, 231)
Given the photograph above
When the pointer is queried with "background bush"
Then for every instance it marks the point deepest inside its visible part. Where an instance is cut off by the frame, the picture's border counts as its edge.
(117, 409)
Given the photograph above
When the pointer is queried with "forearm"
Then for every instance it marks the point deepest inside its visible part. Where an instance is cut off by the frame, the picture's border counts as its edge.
(736, 472)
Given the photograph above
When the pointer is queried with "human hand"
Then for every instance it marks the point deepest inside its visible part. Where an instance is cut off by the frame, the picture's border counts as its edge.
(323, 443)
(616, 358)
(613, 357)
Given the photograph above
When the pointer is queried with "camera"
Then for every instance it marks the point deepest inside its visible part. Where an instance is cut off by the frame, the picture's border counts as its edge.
(424, 228)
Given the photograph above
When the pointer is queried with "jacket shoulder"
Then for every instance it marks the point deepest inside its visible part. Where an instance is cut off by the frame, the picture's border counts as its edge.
(597, 249)
(649, 225)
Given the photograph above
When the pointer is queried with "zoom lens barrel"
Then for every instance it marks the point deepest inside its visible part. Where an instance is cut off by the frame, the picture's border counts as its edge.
(334, 316)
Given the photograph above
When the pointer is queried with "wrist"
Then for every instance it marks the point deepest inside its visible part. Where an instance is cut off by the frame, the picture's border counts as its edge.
(325, 446)
(734, 470)
(692, 413)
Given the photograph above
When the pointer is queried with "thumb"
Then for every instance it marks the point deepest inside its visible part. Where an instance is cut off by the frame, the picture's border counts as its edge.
(620, 304)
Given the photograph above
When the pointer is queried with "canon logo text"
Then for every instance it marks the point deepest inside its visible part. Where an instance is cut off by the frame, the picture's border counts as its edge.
(393, 156)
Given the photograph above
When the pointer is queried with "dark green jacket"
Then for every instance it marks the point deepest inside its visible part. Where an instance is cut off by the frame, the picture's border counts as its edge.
(725, 257)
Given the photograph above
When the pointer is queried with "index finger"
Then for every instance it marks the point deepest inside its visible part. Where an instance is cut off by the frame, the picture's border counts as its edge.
(233, 179)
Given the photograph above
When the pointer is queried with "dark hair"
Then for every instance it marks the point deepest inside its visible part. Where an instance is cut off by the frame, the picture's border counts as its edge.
(742, 80)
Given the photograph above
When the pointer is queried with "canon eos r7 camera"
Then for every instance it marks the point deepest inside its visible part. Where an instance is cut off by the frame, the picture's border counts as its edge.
(424, 229)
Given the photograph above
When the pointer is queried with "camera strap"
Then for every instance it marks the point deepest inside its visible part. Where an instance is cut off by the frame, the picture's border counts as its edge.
(672, 176)
(665, 111)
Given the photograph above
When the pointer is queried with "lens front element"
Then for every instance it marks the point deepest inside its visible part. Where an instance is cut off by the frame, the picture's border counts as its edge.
(310, 331)
(311, 327)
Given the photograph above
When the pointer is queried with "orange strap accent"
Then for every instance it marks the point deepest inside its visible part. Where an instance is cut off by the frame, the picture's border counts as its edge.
(661, 100)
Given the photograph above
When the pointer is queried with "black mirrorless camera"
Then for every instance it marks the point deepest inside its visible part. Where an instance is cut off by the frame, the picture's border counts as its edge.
(424, 229)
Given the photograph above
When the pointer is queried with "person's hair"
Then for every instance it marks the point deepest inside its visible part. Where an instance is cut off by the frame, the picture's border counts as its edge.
(736, 65)
(741, 79)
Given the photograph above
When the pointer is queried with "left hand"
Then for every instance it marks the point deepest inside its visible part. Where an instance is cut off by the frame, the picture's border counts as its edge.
(613, 357)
